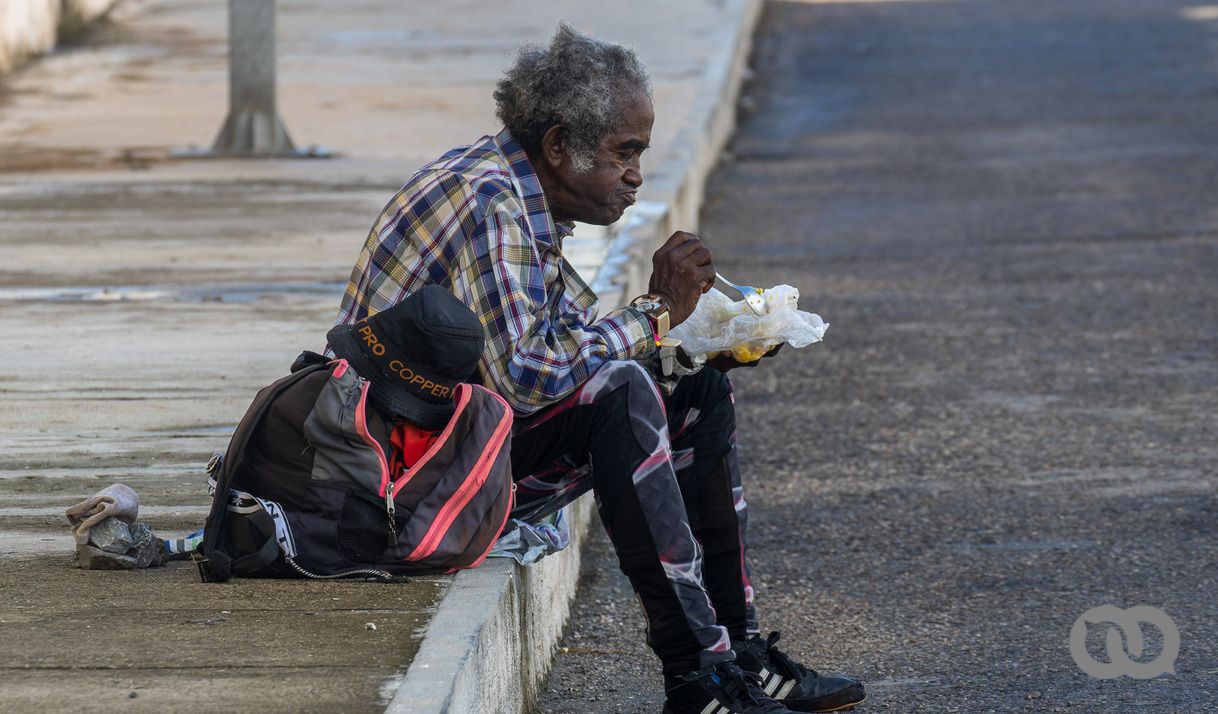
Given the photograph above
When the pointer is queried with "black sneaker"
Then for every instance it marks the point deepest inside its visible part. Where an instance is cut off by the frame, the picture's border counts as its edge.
(722, 689)
(793, 684)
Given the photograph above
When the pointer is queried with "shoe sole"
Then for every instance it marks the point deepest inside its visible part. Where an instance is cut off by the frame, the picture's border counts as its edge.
(843, 707)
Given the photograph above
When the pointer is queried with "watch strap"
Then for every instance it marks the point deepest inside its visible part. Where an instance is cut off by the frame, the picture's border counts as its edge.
(656, 311)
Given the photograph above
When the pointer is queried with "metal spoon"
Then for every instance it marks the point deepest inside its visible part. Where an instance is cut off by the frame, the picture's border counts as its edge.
(752, 296)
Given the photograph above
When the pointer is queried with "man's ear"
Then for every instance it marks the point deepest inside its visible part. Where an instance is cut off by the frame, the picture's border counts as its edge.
(554, 146)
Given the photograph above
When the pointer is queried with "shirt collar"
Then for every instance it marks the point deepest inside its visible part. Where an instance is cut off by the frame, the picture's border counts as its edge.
(536, 210)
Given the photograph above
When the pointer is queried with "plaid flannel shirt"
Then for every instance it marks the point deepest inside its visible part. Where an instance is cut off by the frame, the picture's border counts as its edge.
(476, 221)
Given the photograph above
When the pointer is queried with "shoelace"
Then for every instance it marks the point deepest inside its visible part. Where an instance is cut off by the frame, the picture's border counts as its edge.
(793, 669)
(745, 688)
(736, 683)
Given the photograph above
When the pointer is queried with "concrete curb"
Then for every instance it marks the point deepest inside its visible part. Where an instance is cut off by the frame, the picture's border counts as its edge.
(491, 643)
(489, 646)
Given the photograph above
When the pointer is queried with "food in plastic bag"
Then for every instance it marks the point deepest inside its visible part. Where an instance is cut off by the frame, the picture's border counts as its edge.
(720, 324)
(750, 351)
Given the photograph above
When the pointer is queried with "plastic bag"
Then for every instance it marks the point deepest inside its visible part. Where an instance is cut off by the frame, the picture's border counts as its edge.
(721, 324)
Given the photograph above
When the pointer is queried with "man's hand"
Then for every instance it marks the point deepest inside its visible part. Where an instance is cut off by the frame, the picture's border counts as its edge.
(724, 361)
(681, 270)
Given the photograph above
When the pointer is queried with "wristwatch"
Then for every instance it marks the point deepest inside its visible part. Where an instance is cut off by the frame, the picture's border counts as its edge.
(656, 310)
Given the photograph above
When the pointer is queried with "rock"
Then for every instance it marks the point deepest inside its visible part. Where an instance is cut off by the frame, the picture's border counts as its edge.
(90, 558)
(114, 545)
(148, 550)
(111, 535)
(370, 626)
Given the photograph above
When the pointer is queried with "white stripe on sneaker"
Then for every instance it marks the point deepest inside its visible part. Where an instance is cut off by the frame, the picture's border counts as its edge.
(711, 708)
(785, 690)
(772, 685)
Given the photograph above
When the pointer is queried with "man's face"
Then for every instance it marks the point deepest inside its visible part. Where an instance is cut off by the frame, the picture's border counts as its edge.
(601, 194)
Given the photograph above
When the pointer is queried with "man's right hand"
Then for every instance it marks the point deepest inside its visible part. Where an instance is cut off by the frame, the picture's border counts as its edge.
(681, 270)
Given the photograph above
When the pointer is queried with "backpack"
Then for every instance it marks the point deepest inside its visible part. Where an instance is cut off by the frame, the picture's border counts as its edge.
(304, 488)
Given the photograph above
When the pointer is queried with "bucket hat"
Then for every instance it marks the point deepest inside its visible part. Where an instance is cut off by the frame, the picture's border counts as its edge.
(414, 354)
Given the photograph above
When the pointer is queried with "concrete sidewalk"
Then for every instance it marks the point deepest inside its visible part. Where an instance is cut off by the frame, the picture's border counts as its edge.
(144, 300)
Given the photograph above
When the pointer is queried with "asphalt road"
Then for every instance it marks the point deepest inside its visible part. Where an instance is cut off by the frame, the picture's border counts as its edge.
(1006, 210)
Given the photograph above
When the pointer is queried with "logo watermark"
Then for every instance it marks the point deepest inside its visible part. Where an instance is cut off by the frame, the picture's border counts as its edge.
(1129, 622)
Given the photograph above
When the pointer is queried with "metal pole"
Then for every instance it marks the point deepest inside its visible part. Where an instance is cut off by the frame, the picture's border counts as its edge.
(253, 126)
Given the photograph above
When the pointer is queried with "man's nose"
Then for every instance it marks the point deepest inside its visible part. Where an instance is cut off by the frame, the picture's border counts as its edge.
(633, 177)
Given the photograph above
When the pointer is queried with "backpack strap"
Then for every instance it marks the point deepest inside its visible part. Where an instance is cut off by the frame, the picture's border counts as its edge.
(258, 527)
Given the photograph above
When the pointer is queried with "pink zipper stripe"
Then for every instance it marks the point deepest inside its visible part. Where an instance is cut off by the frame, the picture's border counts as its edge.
(361, 426)
(448, 513)
(464, 392)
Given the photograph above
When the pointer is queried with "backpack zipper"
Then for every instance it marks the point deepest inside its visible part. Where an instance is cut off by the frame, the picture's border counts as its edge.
(392, 487)
(390, 509)
(386, 485)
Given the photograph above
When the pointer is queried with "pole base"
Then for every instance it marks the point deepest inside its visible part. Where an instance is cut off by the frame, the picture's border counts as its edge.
(312, 151)
(254, 133)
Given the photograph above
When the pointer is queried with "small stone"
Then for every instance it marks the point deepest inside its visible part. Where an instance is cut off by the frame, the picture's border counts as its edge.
(208, 620)
(1032, 695)
(370, 626)
(132, 695)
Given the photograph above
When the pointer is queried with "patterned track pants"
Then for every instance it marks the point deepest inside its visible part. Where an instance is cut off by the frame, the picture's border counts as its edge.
(667, 486)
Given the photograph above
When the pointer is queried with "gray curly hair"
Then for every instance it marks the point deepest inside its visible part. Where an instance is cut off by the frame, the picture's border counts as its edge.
(579, 82)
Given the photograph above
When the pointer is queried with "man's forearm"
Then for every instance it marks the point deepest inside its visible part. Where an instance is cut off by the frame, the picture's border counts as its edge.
(551, 361)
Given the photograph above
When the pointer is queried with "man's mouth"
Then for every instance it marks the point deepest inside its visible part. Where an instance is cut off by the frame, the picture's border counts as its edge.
(631, 197)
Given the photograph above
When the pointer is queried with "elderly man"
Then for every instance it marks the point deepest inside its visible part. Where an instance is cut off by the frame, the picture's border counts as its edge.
(487, 222)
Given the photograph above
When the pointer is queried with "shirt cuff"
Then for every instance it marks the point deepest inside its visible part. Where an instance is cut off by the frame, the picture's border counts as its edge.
(628, 333)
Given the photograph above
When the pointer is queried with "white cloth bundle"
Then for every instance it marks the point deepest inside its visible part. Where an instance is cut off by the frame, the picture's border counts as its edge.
(116, 500)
